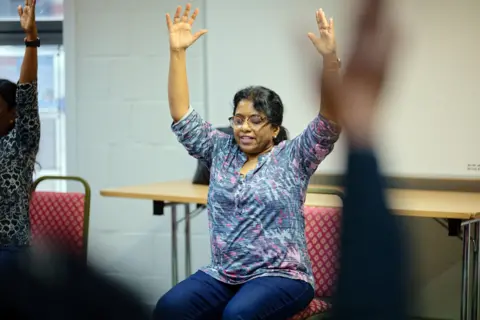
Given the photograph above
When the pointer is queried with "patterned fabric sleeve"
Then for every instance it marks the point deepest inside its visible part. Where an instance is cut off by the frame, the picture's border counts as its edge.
(314, 144)
(27, 124)
(197, 136)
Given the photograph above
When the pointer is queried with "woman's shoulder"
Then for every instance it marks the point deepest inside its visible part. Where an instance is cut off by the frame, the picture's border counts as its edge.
(282, 149)
(225, 138)
(225, 143)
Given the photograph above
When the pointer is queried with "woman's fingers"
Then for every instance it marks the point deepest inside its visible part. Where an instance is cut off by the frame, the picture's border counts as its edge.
(186, 13)
(321, 19)
(198, 34)
(169, 22)
(185, 17)
(176, 18)
(194, 16)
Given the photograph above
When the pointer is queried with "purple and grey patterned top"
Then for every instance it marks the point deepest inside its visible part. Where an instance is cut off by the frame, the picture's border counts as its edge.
(256, 222)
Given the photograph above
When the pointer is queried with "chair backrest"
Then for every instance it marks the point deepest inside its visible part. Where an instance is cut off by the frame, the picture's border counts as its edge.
(61, 218)
(322, 231)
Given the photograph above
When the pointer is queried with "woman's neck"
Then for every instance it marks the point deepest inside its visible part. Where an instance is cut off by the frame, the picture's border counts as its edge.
(254, 157)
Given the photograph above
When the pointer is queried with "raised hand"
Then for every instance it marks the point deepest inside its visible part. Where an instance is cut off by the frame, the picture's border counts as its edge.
(27, 17)
(356, 96)
(180, 30)
(325, 43)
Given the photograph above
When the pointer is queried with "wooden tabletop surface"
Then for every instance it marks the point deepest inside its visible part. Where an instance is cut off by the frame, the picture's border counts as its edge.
(418, 203)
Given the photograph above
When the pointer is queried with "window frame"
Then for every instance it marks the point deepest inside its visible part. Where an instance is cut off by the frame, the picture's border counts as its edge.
(50, 32)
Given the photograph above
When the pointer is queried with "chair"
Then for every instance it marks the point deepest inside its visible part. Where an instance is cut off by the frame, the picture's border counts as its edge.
(322, 232)
(61, 218)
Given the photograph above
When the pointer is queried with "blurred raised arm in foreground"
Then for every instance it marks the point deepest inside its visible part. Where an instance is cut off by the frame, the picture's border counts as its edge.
(372, 277)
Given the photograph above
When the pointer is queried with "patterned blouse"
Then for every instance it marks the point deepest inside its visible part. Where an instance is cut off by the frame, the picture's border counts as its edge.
(18, 151)
(256, 221)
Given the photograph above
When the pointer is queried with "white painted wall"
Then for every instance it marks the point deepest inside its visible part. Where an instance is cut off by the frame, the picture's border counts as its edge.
(118, 119)
(428, 125)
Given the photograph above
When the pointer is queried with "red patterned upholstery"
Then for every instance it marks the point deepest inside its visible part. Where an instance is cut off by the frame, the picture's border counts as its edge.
(315, 307)
(58, 217)
(322, 230)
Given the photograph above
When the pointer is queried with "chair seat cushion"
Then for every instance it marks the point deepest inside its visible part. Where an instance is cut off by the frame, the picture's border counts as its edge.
(317, 306)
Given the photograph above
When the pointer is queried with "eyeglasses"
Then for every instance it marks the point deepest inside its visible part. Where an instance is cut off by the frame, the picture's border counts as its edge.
(254, 121)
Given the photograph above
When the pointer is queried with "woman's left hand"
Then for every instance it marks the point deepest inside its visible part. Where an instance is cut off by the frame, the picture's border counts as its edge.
(27, 18)
(325, 44)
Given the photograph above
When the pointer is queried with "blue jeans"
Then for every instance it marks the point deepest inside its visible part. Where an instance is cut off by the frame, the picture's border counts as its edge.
(201, 297)
(10, 255)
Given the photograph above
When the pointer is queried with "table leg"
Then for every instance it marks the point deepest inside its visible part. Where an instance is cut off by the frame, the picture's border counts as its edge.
(475, 269)
(188, 263)
(174, 246)
(465, 273)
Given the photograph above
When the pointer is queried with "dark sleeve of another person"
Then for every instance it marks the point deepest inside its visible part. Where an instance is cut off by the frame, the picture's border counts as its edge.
(372, 276)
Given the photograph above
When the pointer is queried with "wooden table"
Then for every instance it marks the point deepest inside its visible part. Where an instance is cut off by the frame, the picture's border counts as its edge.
(463, 206)
(415, 203)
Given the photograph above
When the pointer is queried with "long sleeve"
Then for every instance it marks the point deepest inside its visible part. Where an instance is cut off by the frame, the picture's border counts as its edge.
(198, 136)
(314, 144)
(372, 275)
(27, 125)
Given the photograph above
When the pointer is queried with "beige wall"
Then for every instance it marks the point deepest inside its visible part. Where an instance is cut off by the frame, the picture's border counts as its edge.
(436, 263)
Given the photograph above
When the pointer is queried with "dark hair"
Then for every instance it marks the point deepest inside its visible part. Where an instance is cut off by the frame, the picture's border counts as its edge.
(267, 102)
(8, 91)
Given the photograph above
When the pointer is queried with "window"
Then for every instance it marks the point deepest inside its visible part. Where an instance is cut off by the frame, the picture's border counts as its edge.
(46, 9)
(51, 79)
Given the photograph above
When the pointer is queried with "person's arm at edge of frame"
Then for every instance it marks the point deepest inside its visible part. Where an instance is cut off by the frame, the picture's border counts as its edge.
(178, 93)
(29, 69)
(28, 119)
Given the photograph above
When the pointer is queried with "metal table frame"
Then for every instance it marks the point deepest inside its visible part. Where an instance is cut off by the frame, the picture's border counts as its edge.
(158, 210)
(470, 270)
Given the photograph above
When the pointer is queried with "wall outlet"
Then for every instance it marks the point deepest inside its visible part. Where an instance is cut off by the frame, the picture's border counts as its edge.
(473, 167)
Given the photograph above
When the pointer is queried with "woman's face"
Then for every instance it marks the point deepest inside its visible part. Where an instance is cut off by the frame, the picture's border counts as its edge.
(251, 129)
(7, 117)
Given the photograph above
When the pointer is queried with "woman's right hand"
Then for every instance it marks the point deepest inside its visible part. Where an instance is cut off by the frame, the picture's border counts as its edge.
(27, 19)
(180, 30)
(356, 96)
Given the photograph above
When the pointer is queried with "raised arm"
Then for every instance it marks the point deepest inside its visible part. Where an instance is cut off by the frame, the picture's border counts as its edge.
(27, 123)
(374, 274)
(326, 45)
(181, 38)
(316, 142)
(195, 134)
